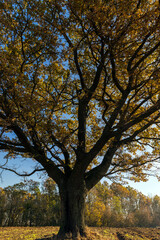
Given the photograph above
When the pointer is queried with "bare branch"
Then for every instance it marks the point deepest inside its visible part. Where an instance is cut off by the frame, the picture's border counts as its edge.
(13, 148)
(7, 142)
(61, 146)
(123, 168)
(54, 156)
(22, 174)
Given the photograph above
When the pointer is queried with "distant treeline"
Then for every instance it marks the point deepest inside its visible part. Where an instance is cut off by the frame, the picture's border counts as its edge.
(31, 204)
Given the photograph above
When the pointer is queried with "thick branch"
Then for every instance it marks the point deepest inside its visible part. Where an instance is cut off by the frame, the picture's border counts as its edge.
(114, 77)
(96, 79)
(22, 137)
(83, 103)
(51, 168)
(99, 70)
(79, 69)
(107, 132)
(82, 115)
(97, 173)
(106, 135)
(119, 107)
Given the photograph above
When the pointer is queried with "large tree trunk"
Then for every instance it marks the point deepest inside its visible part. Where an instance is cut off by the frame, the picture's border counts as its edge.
(73, 196)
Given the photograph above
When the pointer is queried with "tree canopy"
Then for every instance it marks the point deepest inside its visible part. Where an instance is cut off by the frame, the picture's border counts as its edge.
(79, 86)
(80, 78)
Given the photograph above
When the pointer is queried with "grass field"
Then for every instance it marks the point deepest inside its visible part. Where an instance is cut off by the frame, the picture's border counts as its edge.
(46, 233)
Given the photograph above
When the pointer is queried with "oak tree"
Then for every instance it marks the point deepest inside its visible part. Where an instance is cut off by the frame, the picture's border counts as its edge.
(79, 92)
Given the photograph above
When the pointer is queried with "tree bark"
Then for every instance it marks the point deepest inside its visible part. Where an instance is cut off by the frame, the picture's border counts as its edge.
(72, 196)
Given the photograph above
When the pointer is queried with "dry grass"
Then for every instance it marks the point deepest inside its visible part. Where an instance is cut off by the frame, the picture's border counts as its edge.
(27, 233)
(47, 233)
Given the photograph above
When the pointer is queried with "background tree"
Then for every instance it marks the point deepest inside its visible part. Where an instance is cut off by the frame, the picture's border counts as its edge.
(104, 206)
(95, 206)
(2, 206)
(14, 202)
(51, 202)
(156, 210)
(79, 93)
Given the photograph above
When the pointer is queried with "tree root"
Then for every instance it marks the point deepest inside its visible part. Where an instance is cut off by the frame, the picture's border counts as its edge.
(89, 236)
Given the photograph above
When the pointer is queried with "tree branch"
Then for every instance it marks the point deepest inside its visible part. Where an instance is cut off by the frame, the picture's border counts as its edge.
(79, 70)
(129, 69)
(23, 174)
(115, 79)
(62, 147)
(13, 148)
(17, 144)
(142, 116)
(124, 169)
(147, 54)
(96, 174)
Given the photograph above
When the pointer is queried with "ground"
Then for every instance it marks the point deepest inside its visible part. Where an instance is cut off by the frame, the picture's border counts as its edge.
(46, 233)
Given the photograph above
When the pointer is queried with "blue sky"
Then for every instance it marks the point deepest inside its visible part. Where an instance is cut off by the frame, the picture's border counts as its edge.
(149, 188)
(8, 178)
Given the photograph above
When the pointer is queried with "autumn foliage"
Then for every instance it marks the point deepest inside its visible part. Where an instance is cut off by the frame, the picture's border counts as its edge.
(79, 93)
(31, 204)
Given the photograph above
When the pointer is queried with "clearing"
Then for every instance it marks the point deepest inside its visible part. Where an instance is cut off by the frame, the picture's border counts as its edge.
(102, 233)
